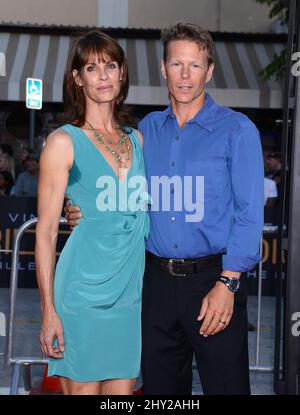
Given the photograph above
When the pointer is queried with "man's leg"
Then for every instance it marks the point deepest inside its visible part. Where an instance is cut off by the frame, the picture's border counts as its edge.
(166, 354)
(223, 364)
(222, 359)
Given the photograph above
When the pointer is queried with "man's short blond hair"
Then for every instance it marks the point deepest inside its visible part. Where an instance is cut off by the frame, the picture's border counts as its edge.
(191, 32)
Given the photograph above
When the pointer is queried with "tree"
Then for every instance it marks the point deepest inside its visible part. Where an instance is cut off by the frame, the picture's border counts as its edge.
(279, 9)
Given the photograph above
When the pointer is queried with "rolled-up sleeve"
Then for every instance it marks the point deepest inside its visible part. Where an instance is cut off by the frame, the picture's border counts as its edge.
(246, 168)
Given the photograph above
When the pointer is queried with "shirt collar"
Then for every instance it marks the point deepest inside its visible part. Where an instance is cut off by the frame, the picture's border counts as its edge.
(204, 118)
(167, 113)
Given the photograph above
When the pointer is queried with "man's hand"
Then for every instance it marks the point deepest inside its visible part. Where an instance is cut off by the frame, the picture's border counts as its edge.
(216, 310)
(72, 213)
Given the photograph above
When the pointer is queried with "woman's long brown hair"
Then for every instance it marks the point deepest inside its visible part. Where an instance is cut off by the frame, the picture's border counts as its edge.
(93, 43)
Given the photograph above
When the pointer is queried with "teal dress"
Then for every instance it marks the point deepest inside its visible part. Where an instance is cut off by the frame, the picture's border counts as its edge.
(98, 278)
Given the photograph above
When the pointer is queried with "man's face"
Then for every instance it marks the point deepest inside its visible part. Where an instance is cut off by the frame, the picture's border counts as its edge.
(187, 71)
(272, 164)
(24, 154)
(32, 165)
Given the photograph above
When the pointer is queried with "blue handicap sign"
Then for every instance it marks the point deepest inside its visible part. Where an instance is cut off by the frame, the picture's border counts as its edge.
(34, 87)
(34, 93)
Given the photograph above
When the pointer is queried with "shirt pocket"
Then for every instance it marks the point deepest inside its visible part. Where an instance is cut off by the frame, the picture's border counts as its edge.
(209, 173)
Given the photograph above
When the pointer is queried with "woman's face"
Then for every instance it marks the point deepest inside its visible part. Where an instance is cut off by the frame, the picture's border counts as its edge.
(100, 79)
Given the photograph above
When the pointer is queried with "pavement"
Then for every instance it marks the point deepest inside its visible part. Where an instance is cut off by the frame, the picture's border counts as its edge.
(26, 342)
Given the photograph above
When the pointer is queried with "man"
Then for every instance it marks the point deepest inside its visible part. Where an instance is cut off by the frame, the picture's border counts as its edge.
(273, 166)
(194, 298)
(270, 192)
(23, 157)
(272, 178)
(27, 182)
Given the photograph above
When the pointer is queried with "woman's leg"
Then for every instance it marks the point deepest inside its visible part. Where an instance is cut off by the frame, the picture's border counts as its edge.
(71, 387)
(107, 387)
(117, 387)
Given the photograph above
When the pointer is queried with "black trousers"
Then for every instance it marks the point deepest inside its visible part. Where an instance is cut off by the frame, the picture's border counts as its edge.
(170, 330)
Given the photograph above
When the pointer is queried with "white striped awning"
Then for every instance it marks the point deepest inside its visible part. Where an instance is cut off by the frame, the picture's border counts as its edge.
(236, 81)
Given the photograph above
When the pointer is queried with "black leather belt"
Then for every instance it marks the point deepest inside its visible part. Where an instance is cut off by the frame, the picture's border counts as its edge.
(180, 267)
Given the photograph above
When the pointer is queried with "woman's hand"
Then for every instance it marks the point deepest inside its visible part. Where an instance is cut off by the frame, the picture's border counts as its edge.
(52, 329)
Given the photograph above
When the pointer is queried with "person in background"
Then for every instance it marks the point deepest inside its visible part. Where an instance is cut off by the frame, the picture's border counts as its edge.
(22, 161)
(6, 149)
(7, 163)
(270, 192)
(6, 183)
(273, 166)
(27, 182)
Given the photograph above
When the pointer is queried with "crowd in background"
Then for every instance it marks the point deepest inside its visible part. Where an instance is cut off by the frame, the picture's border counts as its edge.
(18, 176)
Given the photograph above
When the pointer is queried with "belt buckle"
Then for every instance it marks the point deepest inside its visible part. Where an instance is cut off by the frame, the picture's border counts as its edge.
(170, 266)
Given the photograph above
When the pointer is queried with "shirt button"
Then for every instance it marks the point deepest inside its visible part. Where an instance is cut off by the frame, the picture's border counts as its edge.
(177, 138)
(173, 163)
(175, 246)
(173, 218)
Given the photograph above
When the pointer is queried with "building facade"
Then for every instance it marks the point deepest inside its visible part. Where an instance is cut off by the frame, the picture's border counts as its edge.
(35, 38)
(215, 15)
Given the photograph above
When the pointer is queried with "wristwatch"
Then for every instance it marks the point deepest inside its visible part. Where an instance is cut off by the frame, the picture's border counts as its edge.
(232, 283)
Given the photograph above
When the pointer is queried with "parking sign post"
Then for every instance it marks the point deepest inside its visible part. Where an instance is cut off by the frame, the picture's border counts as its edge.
(34, 101)
(32, 129)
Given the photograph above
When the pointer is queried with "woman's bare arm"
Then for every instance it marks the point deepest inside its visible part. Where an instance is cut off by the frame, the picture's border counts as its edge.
(55, 163)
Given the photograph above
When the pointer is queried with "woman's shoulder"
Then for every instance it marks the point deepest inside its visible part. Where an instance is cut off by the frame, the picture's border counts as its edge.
(58, 149)
(139, 136)
(59, 137)
(60, 133)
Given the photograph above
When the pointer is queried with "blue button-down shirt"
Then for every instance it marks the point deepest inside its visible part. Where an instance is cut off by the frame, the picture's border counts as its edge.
(223, 147)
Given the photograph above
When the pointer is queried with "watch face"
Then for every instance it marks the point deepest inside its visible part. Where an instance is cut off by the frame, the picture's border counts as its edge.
(234, 284)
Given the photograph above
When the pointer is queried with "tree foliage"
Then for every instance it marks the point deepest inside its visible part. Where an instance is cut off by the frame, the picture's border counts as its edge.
(279, 9)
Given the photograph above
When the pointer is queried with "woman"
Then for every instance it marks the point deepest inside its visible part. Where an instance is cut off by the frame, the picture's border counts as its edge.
(91, 317)
(7, 163)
